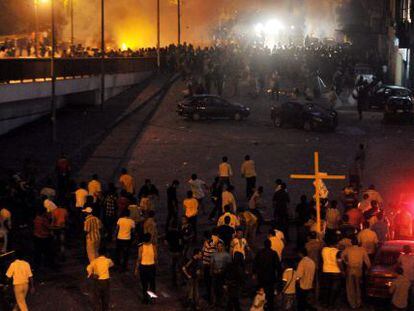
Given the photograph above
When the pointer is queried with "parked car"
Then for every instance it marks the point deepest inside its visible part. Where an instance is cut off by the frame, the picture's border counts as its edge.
(211, 107)
(382, 273)
(305, 115)
(397, 97)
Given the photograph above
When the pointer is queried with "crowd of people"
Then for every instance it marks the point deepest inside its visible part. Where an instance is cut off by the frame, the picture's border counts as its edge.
(310, 68)
(221, 246)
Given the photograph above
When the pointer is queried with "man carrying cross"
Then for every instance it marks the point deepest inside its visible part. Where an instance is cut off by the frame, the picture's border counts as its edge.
(318, 178)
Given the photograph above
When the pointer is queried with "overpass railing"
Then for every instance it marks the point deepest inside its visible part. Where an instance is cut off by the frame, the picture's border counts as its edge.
(23, 69)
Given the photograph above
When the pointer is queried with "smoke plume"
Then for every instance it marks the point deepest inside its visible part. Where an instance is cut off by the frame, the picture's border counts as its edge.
(132, 23)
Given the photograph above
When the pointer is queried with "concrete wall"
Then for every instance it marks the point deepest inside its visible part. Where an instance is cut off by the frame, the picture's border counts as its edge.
(21, 103)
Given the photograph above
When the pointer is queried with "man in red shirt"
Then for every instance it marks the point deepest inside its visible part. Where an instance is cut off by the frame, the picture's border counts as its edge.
(355, 217)
(42, 238)
(59, 218)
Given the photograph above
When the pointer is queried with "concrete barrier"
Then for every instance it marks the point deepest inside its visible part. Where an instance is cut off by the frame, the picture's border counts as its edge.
(21, 103)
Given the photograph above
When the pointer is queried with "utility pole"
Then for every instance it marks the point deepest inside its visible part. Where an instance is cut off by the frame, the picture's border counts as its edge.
(36, 27)
(102, 53)
(158, 35)
(72, 33)
(52, 74)
(179, 20)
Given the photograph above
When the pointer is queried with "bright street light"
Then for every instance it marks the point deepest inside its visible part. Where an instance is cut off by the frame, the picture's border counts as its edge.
(273, 27)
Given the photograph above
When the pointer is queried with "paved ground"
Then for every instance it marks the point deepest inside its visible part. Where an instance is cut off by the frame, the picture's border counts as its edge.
(173, 148)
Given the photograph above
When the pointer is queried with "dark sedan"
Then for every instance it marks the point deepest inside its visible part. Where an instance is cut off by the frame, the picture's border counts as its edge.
(380, 97)
(382, 273)
(211, 107)
(307, 116)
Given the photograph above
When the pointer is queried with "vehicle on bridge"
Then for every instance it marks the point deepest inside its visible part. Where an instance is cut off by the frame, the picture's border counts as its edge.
(211, 107)
(304, 115)
(382, 273)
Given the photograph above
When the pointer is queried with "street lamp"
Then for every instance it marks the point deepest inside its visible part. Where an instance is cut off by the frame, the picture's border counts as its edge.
(179, 20)
(72, 35)
(102, 53)
(52, 72)
(158, 35)
(36, 9)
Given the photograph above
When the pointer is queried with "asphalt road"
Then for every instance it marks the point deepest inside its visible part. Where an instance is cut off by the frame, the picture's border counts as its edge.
(174, 148)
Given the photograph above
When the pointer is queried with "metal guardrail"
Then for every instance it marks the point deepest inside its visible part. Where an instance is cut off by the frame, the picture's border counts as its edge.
(38, 68)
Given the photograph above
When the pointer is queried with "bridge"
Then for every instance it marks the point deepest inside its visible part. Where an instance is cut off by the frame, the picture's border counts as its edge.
(25, 84)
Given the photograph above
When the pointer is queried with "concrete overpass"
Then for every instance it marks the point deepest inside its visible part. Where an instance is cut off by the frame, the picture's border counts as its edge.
(25, 84)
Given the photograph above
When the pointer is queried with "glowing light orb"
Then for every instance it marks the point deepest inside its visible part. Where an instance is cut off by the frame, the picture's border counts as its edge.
(258, 29)
(273, 27)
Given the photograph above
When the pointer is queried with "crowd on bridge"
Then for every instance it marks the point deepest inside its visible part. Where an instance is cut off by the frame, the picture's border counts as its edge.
(220, 243)
(308, 68)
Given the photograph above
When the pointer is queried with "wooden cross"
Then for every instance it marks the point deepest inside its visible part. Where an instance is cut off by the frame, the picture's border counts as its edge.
(318, 177)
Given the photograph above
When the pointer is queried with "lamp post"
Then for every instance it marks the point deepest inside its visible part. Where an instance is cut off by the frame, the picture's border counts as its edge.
(179, 20)
(52, 73)
(72, 35)
(102, 53)
(158, 35)
(36, 27)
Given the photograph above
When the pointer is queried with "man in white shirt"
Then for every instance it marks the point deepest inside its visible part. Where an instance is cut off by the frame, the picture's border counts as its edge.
(125, 229)
(80, 195)
(94, 187)
(368, 239)
(225, 172)
(277, 243)
(48, 190)
(255, 203)
(98, 269)
(374, 195)
(197, 187)
(227, 198)
(21, 273)
(333, 216)
(49, 205)
(248, 171)
(5, 227)
(305, 273)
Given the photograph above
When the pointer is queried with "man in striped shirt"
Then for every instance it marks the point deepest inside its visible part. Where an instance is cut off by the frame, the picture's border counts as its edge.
(209, 248)
(92, 228)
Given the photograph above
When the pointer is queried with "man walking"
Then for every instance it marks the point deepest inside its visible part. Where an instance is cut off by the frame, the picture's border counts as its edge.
(268, 270)
(92, 228)
(280, 204)
(248, 171)
(98, 270)
(21, 273)
(354, 258)
(198, 187)
(190, 205)
(219, 262)
(172, 204)
(127, 181)
(406, 262)
(146, 263)
(305, 273)
(225, 172)
(125, 229)
(192, 270)
(255, 204)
